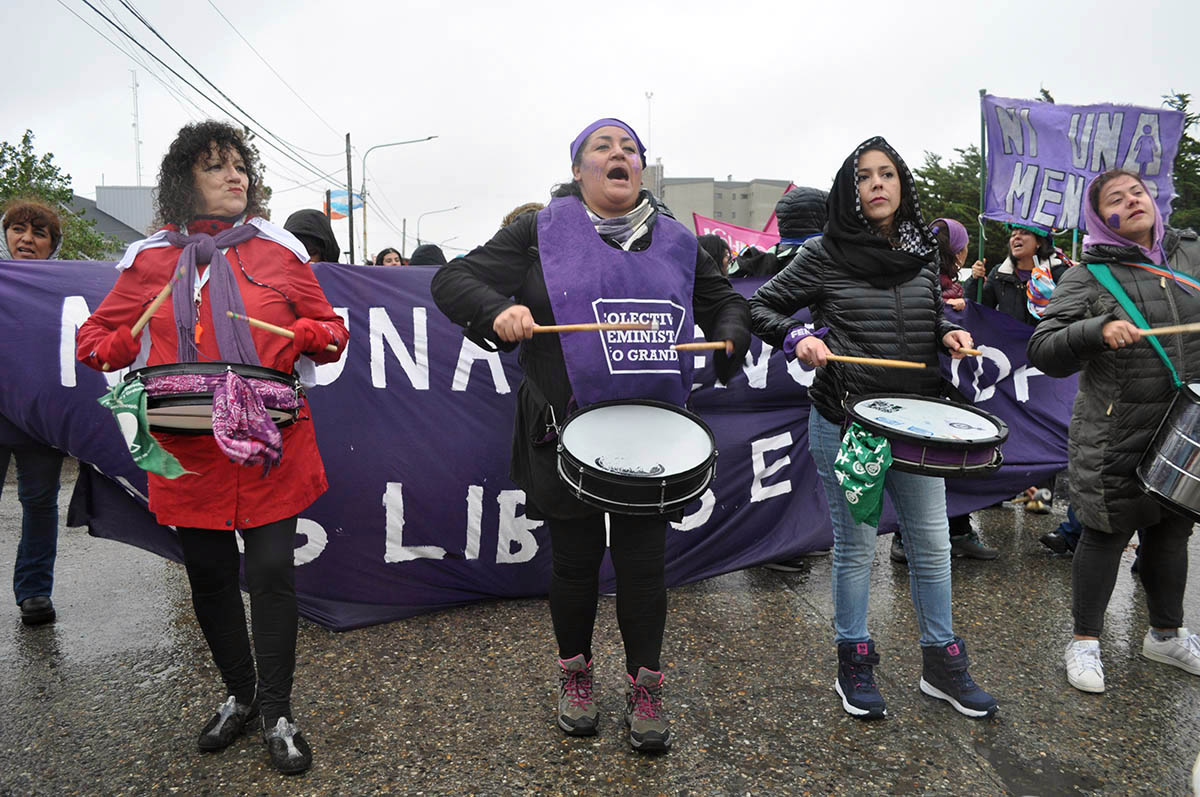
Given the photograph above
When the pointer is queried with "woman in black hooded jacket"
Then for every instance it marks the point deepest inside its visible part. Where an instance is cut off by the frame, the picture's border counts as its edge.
(872, 282)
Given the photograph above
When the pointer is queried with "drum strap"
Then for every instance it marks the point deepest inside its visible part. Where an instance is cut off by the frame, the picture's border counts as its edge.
(1105, 277)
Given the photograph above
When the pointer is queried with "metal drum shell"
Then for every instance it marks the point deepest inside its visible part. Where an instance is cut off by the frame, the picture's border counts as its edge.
(628, 494)
(159, 408)
(1170, 468)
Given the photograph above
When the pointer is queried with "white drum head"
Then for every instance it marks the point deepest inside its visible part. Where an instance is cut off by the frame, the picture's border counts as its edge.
(935, 420)
(637, 440)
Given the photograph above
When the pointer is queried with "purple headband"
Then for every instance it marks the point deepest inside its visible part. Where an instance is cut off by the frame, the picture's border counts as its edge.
(954, 230)
(599, 123)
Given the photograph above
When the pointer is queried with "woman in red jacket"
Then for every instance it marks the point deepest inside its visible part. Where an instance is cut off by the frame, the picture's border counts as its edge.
(223, 256)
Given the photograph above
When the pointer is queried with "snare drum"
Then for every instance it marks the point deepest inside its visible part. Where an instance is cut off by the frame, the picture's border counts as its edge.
(636, 457)
(932, 436)
(1170, 468)
(179, 396)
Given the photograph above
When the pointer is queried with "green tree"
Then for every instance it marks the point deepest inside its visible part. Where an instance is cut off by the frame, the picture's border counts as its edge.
(24, 174)
(951, 190)
(1185, 212)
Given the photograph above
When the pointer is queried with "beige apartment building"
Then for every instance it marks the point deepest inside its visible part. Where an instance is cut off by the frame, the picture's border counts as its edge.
(746, 204)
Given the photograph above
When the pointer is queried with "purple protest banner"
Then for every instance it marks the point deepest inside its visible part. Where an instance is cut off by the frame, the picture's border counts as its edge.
(414, 426)
(1041, 156)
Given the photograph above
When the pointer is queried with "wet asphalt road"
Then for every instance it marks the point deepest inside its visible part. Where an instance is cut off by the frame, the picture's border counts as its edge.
(109, 699)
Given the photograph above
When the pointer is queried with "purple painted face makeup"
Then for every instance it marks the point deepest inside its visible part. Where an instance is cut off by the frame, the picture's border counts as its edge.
(1114, 221)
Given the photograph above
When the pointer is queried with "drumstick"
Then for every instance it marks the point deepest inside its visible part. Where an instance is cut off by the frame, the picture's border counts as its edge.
(151, 309)
(254, 322)
(591, 327)
(705, 345)
(970, 352)
(1172, 330)
(839, 358)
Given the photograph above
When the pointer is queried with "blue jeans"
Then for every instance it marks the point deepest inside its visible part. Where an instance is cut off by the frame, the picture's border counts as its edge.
(920, 503)
(38, 469)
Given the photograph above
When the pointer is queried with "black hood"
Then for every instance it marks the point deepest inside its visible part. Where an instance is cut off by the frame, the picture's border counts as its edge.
(427, 255)
(801, 212)
(313, 225)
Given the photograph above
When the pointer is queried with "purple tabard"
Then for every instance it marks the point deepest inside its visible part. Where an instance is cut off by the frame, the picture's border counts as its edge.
(589, 280)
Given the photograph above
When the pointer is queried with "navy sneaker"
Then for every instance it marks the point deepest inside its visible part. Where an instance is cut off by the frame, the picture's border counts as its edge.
(945, 677)
(855, 682)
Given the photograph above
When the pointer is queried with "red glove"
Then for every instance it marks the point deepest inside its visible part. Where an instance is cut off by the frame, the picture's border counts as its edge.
(311, 336)
(117, 350)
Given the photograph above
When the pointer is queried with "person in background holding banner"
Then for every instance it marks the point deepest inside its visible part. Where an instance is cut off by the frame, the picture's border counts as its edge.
(800, 215)
(602, 237)
(1021, 287)
(871, 285)
(223, 257)
(32, 232)
(952, 239)
(1135, 274)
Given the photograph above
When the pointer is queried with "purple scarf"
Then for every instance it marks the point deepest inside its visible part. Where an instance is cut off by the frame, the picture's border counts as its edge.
(233, 340)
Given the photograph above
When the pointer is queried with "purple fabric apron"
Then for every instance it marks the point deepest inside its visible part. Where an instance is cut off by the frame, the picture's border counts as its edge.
(590, 281)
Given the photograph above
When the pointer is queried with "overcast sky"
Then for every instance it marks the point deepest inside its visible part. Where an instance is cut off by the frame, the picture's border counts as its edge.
(779, 90)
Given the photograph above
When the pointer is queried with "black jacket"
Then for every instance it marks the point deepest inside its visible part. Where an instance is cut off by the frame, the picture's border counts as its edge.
(1123, 394)
(904, 323)
(474, 289)
(1005, 291)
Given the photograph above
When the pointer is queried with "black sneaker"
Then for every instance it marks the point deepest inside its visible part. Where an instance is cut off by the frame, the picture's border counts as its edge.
(290, 754)
(578, 713)
(897, 553)
(855, 682)
(649, 729)
(226, 725)
(37, 610)
(945, 677)
(1056, 542)
(970, 546)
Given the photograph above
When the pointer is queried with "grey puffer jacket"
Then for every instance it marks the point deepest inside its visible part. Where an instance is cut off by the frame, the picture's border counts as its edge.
(1123, 394)
(903, 323)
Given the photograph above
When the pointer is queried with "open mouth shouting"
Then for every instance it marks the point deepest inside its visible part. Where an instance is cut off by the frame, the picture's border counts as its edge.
(618, 174)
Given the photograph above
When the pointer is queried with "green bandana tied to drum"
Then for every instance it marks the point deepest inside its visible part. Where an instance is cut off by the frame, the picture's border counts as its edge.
(860, 465)
(127, 401)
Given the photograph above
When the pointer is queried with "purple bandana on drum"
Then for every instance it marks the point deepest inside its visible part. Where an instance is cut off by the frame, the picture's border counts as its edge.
(590, 281)
(241, 425)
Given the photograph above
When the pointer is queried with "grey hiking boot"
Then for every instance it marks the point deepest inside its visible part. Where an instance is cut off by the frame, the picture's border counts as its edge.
(578, 713)
(649, 730)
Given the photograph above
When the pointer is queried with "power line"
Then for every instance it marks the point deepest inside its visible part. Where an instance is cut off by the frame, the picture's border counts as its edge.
(217, 105)
(137, 15)
(281, 80)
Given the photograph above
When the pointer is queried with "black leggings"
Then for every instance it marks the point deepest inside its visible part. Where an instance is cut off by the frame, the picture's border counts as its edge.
(1163, 570)
(211, 559)
(638, 556)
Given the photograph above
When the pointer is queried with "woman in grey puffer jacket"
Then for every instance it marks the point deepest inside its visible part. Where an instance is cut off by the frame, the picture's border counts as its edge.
(1125, 388)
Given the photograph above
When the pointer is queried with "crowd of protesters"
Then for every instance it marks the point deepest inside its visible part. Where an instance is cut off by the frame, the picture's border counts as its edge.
(877, 276)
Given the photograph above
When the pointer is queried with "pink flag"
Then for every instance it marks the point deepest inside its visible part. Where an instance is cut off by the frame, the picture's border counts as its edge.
(773, 223)
(737, 237)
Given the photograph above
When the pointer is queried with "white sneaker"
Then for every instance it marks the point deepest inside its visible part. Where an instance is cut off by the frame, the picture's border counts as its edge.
(1084, 671)
(1181, 651)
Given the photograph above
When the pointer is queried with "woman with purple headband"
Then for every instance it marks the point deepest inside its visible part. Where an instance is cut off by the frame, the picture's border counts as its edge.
(229, 259)
(1135, 273)
(602, 236)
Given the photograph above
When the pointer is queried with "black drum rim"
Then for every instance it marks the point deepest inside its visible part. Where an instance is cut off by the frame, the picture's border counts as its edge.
(891, 432)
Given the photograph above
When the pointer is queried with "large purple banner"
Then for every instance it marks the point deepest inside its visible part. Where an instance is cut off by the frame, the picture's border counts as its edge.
(1041, 156)
(414, 426)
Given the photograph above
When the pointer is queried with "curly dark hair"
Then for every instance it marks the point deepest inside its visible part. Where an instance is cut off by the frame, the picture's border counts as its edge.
(176, 183)
(30, 210)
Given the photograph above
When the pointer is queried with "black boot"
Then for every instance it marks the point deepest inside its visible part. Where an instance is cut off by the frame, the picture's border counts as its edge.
(945, 677)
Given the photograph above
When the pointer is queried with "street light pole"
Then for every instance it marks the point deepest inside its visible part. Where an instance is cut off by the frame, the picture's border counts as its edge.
(427, 213)
(363, 191)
